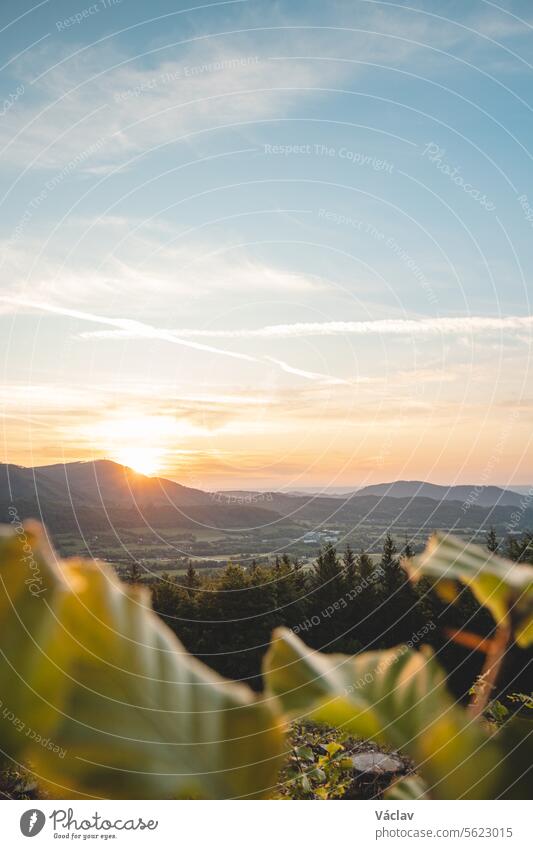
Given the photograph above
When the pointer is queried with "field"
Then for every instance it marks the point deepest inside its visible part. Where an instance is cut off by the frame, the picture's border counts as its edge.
(162, 550)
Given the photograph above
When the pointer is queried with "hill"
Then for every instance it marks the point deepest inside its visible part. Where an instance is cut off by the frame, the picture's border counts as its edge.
(98, 494)
(482, 496)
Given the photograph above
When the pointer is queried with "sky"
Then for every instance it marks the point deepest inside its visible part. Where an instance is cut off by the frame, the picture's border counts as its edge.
(268, 244)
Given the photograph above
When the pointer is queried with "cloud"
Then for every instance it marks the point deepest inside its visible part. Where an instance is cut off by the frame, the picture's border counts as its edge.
(143, 331)
(139, 329)
(310, 375)
(95, 94)
(380, 327)
(117, 107)
(134, 262)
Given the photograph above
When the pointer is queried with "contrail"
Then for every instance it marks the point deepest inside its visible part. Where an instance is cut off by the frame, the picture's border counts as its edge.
(129, 328)
(137, 329)
(310, 375)
(378, 327)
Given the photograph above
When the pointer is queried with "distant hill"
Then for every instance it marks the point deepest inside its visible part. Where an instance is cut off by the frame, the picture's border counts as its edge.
(385, 511)
(481, 496)
(103, 493)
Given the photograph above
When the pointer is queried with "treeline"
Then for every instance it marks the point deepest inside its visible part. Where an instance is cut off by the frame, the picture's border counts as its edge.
(345, 603)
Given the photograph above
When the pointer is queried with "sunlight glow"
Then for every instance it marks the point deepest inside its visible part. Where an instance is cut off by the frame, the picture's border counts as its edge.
(142, 460)
(140, 442)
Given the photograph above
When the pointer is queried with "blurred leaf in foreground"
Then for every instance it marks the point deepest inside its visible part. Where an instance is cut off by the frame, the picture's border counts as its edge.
(397, 698)
(102, 699)
(503, 586)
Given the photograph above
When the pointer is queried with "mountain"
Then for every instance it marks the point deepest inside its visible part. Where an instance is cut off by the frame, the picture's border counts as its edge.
(481, 496)
(93, 496)
(359, 510)
(103, 493)
(105, 482)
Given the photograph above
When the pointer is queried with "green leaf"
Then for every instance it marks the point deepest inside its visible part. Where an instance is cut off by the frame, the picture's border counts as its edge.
(397, 698)
(333, 748)
(102, 698)
(499, 584)
(515, 741)
(305, 784)
(306, 753)
(407, 789)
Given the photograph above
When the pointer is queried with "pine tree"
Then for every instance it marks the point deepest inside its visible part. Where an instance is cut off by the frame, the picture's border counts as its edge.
(327, 593)
(365, 565)
(192, 578)
(357, 598)
(396, 598)
(389, 561)
(327, 575)
(134, 573)
(492, 540)
(407, 551)
(521, 549)
(364, 604)
(350, 572)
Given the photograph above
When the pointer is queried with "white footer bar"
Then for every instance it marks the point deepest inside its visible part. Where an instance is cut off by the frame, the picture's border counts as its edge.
(266, 825)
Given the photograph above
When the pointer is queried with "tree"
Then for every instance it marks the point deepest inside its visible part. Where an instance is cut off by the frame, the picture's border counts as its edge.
(397, 599)
(134, 573)
(389, 561)
(192, 578)
(349, 570)
(327, 577)
(359, 598)
(365, 565)
(521, 549)
(326, 599)
(408, 551)
(492, 540)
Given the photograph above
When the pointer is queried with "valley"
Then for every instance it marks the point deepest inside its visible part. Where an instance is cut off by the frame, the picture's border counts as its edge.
(104, 510)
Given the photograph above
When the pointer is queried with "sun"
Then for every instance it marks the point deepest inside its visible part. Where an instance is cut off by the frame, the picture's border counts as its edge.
(145, 461)
(139, 442)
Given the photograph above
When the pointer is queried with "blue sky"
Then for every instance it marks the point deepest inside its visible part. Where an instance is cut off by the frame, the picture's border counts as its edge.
(272, 244)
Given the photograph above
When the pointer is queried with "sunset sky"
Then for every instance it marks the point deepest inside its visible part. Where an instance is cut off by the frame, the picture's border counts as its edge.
(268, 244)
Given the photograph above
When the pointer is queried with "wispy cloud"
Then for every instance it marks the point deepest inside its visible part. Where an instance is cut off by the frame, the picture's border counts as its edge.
(380, 327)
(138, 329)
(80, 96)
(143, 331)
(309, 375)
(125, 103)
(133, 260)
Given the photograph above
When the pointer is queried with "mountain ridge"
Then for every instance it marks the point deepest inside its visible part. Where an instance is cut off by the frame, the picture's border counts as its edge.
(102, 493)
(483, 496)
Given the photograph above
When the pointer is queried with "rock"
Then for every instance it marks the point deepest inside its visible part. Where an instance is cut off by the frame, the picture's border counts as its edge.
(377, 763)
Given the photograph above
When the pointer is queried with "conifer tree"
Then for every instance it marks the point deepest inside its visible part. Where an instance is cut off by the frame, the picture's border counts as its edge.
(492, 540)
(350, 572)
(389, 560)
(327, 576)
(134, 573)
(397, 599)
(407, 551)
(365, 565)
(192, 578)
(325, 599)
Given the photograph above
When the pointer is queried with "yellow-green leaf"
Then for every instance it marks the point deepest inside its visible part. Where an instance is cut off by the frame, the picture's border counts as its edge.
(102, 698)
(333, 748)
(407, 789)
(397, 698)
(499, 584)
